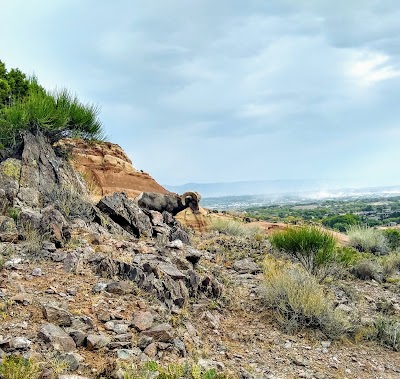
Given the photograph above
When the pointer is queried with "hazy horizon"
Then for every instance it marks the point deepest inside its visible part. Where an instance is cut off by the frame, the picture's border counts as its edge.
(226, 91)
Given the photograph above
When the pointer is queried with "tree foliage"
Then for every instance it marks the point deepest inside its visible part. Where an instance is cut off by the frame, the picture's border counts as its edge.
(341, 222)
(26, 105)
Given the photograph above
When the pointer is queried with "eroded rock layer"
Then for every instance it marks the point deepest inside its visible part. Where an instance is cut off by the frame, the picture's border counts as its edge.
(107, 169)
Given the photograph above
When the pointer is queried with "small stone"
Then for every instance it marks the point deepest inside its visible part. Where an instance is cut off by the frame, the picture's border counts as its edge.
(246, 266)
(56, 315)
(142, 320)
(120, 288)
(151, 350)
(144, 341)
(117, 327)
(126, 354)
(37, 271)
(22, 298)
(57, 337)
(78, 336)
(103, 315)
(73, 360)
(161, 333)
(20, 343)
(171, 271)
(99, 287)
(97, 341)
(208, 364)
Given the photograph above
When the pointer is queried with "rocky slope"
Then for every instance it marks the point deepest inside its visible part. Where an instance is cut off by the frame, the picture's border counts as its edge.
(99, 287)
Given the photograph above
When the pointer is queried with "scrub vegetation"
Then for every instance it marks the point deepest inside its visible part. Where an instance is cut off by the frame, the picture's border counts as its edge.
(26, 105)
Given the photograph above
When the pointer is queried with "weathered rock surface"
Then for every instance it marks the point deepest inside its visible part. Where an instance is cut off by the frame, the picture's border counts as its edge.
(126, 213)
(108, 169)
(57, 338)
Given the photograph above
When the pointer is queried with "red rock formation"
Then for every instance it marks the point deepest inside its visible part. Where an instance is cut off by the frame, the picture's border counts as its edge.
(107, 169)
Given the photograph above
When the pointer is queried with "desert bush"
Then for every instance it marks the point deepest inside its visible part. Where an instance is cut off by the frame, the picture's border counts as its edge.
(19, 368)
(69, 202)
(366, 239)
(298, 301)
(387, 332)
(33, 239)
(309, 245)
(367, 269)
(393, 238)
(236, 228)
(390, 264)
(154, 370)
(348, 256)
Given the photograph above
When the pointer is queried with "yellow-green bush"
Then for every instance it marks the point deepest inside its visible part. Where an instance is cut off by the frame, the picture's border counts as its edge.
(19, 368)
(297, 300)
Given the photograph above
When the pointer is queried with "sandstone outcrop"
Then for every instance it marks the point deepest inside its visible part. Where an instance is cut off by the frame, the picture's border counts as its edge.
(107, 169)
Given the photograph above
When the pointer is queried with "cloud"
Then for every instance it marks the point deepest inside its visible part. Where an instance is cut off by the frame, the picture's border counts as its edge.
(210, 91)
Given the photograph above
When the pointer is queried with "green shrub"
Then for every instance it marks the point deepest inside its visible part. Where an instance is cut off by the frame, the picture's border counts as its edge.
(19, 368)
(348, 256)
(366, 239)
(393, 238)
(309, 245)
(298, 301)
(58, 114)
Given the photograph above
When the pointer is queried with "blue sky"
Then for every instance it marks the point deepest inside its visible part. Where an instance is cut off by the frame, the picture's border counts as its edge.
(211, 91)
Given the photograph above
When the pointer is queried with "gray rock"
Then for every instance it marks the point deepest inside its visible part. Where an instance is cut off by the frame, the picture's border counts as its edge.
(70, 262)
(20, 343)
(116, 326)
(151, 350)
(98, 287)
(57, 338)
(208, 364)
(120, 288)
(127, 354)
(126, 213)
(8, 229)
(142, 320)
(97, 341)
(37, 271)
(49, 246)
(29, 196)
(246, 265)
(161, 333)
(73, 360)
(65, 376)
(78, 336)
(144, 341)
(180, 346)
(171, 271)
(56, 315)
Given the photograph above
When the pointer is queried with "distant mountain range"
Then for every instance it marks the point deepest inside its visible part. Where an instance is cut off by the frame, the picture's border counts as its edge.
(267, 187)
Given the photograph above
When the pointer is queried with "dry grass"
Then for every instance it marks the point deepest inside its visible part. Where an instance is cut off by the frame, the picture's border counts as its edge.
(298, 301)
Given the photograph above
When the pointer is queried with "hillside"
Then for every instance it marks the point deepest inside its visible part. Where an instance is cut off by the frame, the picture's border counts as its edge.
(102, 288)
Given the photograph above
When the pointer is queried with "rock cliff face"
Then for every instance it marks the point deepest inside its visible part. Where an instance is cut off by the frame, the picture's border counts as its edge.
(107, 169)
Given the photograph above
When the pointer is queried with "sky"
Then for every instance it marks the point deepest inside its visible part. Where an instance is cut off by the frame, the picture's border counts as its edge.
(220, 91)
